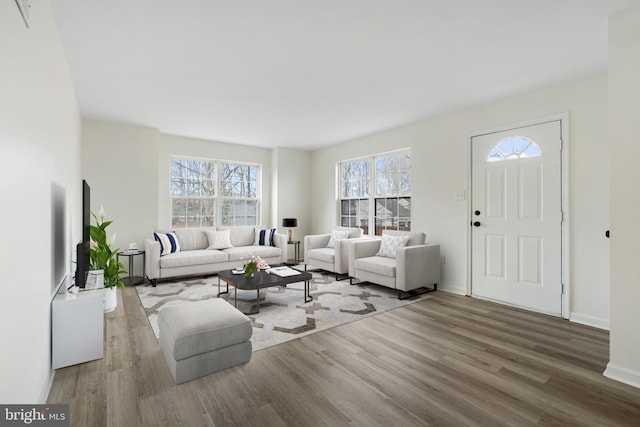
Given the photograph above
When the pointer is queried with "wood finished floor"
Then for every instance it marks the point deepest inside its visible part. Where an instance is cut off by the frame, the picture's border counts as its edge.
(447, 361)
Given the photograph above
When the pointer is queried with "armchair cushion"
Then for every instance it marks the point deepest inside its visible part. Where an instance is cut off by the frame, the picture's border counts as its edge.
(323, 254)
(389, 244)
(384, 266)
(337, 235)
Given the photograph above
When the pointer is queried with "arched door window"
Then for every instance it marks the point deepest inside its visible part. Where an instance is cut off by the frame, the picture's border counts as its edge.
(517, 147)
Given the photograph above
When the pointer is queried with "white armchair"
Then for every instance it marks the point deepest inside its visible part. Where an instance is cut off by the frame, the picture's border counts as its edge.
(388, 262)
(329, 251)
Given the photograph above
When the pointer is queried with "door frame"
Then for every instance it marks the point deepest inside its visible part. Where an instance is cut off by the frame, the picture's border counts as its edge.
(565, 249)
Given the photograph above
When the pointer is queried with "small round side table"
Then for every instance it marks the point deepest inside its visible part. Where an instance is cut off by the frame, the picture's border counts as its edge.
(131, 279)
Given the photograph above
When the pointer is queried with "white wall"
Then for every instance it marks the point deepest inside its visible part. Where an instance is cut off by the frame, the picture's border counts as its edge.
(120, 164)
(39, 147)
(128, 169)
(439, 149)
(291, 195)
(624, 129)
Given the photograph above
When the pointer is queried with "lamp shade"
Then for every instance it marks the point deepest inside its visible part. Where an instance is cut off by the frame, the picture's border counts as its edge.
(289, 222)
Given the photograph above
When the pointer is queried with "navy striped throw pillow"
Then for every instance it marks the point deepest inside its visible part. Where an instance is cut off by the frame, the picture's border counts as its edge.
(265, 237)
(168, 243)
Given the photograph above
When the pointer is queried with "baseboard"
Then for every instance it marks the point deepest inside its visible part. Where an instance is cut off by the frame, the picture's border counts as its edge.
(623, 375)
(44, 394)
(595, 322)
(453, 289)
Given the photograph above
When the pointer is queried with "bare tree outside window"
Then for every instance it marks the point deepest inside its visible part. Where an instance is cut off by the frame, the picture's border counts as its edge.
(239, 185)
(393, 174)
(390, 176)
(393, 181)
(209, 192)
(238, 180)
(356, 179)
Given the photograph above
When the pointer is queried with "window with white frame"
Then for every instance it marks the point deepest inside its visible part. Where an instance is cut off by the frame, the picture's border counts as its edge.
(383, 182)
(518, 147)
(206, 192)
(239, 194)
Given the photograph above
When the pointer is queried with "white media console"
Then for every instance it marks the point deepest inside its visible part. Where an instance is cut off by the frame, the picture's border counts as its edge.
(77, 328)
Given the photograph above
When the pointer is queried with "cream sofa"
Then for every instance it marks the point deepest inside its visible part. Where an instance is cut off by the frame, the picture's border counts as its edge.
(405, 267)
(194, 257)
(335, 257)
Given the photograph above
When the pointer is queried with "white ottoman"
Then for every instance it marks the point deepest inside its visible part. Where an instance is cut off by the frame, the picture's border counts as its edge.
(204, 337)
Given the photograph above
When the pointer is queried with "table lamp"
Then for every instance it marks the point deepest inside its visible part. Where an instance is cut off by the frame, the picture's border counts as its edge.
(290, 223)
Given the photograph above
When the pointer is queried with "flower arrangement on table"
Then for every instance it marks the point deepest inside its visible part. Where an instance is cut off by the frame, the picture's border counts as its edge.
(253, 264)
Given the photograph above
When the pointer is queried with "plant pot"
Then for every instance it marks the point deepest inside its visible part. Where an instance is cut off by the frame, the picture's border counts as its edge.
(110, 300)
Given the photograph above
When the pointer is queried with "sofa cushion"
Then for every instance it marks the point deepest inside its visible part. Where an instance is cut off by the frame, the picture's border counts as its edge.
(241, 235)
(336, 235)
(264, 237)
(389, 244)
(219, 239)
(322, 254)
(383, 266)
(193, 238)
(245, 252)
(168, 243)
(195, 257)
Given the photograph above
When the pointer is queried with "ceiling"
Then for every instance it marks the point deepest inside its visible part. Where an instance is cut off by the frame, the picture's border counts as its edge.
(308, 74)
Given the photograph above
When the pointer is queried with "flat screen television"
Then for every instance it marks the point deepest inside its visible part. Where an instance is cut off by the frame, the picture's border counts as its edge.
(82, 264)
(86, 212)
(83, 259)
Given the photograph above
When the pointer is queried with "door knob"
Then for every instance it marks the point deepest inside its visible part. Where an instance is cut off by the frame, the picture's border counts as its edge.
(477, 213)
(476, 224)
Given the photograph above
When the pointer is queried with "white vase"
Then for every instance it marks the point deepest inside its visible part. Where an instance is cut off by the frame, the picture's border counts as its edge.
(110, 300)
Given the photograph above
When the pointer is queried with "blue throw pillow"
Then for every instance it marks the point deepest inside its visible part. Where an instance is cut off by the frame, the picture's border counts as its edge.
(168, 243)
(265, 237)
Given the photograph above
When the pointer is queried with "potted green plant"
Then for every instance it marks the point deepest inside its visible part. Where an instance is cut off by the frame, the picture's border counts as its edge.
(103, 257)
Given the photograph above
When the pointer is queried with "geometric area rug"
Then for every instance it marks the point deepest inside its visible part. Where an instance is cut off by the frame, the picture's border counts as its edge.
(283, 316)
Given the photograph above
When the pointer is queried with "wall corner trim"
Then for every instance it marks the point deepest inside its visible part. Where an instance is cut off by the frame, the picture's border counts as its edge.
(623, 375)
(592, 321)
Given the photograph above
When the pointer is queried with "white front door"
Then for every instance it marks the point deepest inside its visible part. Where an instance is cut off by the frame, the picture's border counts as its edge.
(516, 217)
